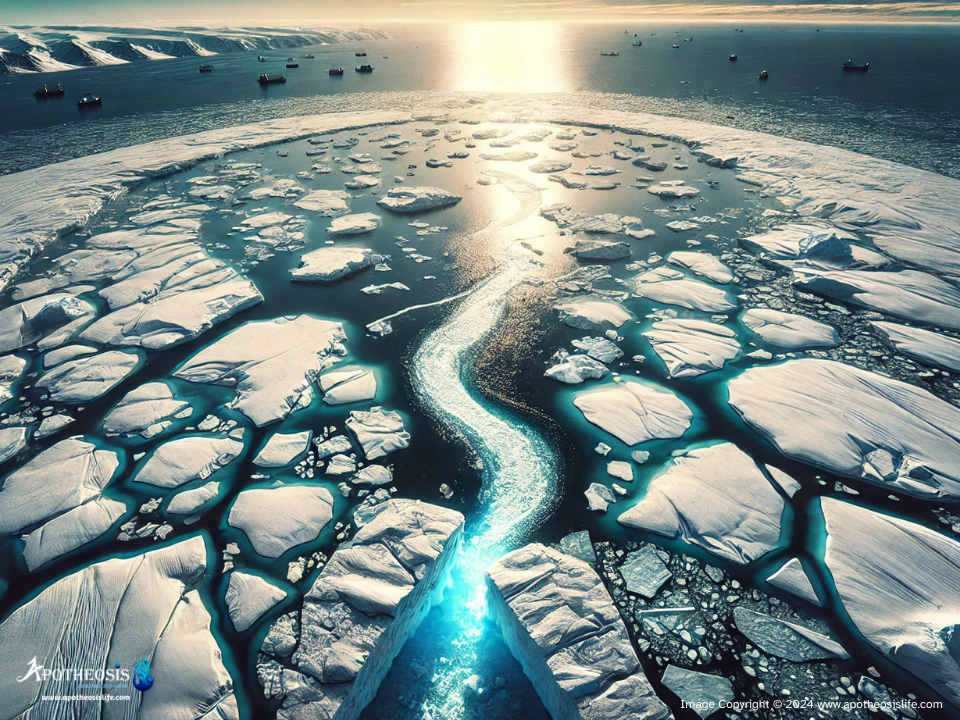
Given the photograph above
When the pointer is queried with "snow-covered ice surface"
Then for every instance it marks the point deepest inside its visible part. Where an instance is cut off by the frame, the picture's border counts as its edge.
(149, 303)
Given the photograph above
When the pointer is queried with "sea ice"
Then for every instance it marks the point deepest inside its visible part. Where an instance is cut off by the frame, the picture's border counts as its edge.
(692, 347)
(348, 385)
(281, 449)
(332, 263)
(635, 412)
(378, 431)
(592, 313)
(278, 518)
(417, 199)
(248, 597)
(703, 264)
(670, 287)
(185, 459)
(354, 224)
(930, 348)
(146, 411)
(788, 330)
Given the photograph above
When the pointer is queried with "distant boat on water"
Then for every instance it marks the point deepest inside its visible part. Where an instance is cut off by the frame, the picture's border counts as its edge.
(293, 65)
(360, 54)
(851, 66)
(733, 58)
(764, 75)
(89, 100)
(676, 47)
(46, 92)
(308, 57)
(267, 80)
(637, 43)
(336, 71)
(206, 68)
(610, 54)
(261, 58)
(364, 68)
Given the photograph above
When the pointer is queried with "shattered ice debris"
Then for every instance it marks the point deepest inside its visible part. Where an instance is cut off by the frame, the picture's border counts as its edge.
(600, 250)
(560, 623)
(248, 597)
(813, 245)
(786, 640)
(592, 313)
(683, 225)
(644, 571)
(186, 459)
(59, 479)
(31, 321)
(915, 450)
(714, 497)
(417, 199)
(146, 411)
(379, 289)
(89, 377)
(598, 348)
(113, 612)
(703, 264)
(327, 203)
(378, 431)
(268, 219)
(793, 578)
(276, 519)
(787, 330)
(897, 581)
(12, 441)
(272, 364)
(281, 449)
(701, 692)
(354, 224)
(574, 369)
(188, 501)
(609, 223)
(692, 347)
(926, 346)
(673, 189)
(348, 385)
(635, 412)
(332, 263)
(599, 497)
(670, 287)
(366, 603)
(910, 294)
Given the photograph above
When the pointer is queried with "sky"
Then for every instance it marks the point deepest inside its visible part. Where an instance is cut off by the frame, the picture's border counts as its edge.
(314, 12)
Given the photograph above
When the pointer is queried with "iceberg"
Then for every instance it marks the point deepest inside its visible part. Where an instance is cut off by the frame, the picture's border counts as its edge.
(635, 412)
(71, 530)
(348, 385)
(278, 518)
(354, 224)
(558, 620)
(792, 578)
(30, 321)
(592, 313)
(786, 640)
(574, 369)
(417, 199)
(332, 263)
(186, 502)
(327, 203)
(378, 431)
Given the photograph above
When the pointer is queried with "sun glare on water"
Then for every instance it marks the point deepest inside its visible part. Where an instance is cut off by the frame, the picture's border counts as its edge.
(510, 57)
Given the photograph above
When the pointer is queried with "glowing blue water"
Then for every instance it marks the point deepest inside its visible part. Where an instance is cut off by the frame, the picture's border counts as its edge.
(519, 473)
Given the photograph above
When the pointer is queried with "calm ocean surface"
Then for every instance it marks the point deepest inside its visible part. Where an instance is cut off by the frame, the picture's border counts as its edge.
(906, 108)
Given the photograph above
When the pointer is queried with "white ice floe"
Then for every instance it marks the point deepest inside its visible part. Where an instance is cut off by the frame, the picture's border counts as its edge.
(574, 369)
(378, 431)
(608, 223)
(714, 497)
(897, 581)
(703, 264)
(354, 224)
(592, 313)
(598, 348)
(930, 348)
(341, 465)
(914, 450)
(373, 476)
(783, 639)
(120, 611)
(560, 623)
(12, 441)
(909, 294)
(248, 597)
(53, 424)
(332, 263)
(635, 412)
(282, 449)
(545, 167)
(670, 287)
(673, 189)
(87, 378)
(11, 370)
(272, 364)
(188, 501)
(599, 497)
(620, 470)
(327, 203)
(71, 530)
(64, 353)
(30, 321)
(278, 518)
(146, 411)
(417, 199)
(788, 330)
(268, 219)
(366, 603)
(185, 459)
(794, 579)
(600, 250)
(348, 385)
(691, 347)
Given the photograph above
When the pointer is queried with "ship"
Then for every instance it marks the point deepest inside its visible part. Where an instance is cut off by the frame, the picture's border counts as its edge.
(89, 100)
(293, 65)
(733, 58)
(637, 43)
(336, 71)
(267, 80)
(764, 75)
(610, 54)
(47, 91)
(851, 66)
(361, 54)
(206, 68)
(364, 68)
